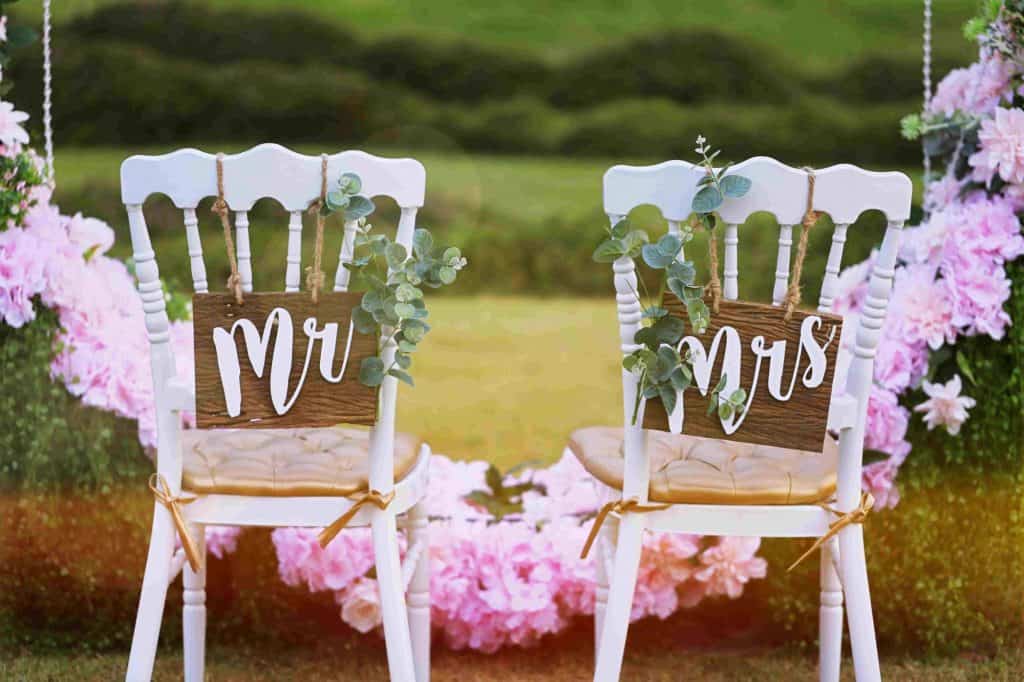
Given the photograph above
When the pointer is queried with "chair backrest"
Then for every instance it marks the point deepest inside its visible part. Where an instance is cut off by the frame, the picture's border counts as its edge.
(843, 192)
(188, 176)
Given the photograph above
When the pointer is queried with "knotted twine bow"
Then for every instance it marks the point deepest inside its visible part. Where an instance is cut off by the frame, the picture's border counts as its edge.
(220, 207)
(857, 515)
(162, 493)
(631, 504)
(377, 499)
(314, 275)
(811, 216)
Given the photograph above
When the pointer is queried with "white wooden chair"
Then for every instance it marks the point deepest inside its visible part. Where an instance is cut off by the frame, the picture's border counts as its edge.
(843, 192)
(186, 177)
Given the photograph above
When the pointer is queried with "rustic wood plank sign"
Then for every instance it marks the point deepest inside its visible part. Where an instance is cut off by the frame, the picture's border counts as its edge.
(786, 368)
(280, 360)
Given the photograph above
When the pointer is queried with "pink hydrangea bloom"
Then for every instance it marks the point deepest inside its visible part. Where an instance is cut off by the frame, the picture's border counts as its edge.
(886, 423)
(1001, 151)
(922, 306)
(730, 565)
(879, 479)
(976, 89)
(945, 406)
(23, 258)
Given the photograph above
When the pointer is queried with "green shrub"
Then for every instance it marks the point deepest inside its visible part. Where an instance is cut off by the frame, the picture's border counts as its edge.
(47, 437)
(882, 77)
(688, 67)
(117, 94)
(519, 126)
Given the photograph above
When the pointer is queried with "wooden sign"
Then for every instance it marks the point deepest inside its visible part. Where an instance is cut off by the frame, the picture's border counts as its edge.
(279, 360)
(786, 368)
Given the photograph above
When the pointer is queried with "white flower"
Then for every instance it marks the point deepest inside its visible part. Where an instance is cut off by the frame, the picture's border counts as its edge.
(360, 605)
(11, 131)
(945, 406)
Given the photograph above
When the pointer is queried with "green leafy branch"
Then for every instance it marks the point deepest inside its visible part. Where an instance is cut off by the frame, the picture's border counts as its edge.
(502, 500)
(392, 280)
(664, 372)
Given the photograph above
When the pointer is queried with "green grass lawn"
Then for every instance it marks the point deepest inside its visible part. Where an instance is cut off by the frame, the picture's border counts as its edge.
(329, 662)
(811, 32)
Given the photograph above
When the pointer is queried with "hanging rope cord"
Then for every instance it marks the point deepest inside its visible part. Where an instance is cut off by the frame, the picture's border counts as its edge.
(314, 275)
(48, 93)
(220, 207)
(926, 82)
(793, 292)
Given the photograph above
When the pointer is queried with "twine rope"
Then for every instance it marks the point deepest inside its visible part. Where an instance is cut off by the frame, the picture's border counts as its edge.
(856, 515)
(314, 275)
(162, 492)
(811, 216)
(220, 207)
(631, 504)
(374, 497)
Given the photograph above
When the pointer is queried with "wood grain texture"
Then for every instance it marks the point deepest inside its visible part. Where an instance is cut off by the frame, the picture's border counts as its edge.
(798, 423)
(320, 403)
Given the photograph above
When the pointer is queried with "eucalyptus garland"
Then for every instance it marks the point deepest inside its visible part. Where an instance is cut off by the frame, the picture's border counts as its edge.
(392, 279)
(664, 372)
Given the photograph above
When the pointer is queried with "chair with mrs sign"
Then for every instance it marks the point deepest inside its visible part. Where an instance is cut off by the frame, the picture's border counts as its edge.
(787, 462)
(260, 456)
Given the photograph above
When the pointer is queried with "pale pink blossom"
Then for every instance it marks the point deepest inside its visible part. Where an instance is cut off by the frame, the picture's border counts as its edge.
(879, 479)
(730, 565)
(922, 307)
(11, 132)
(945, 406)
(887, 423)
(360, 605)
(1001, 147)
(976, 89)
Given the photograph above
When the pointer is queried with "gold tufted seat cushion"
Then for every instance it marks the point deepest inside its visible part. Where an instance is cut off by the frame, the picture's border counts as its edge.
(284, 462)
(691, 470)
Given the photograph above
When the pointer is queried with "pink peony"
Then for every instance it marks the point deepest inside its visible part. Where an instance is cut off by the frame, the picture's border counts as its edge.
(976, 89)
(879, 479)
(22, 275)
(730, 565)
(360, 605)
(922, 307)
(945, 406)
(886, 423)
(1001, 141)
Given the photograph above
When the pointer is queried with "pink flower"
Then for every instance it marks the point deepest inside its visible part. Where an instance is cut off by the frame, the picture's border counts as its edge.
(886, 423)
(11, 132)
(942, 193)
(90, 235)
(976, 89)
(23, 259)
(922, 306)
(879, 479)
(1001, 140)
(730, 564)
(945, 406)
(360, 605)
(222, 540)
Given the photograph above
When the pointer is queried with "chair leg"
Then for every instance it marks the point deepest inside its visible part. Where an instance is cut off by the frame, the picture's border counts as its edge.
(605, 548)
(620, 598)
(153, 597)
(418, 596)
(830, 615)
(392, 597)
(193, 620)
(854, 572)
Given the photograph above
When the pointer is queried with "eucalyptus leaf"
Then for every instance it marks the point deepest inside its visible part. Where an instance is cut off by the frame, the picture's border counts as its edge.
(725, 410)
(707, 200)
(447, 274)
(404, 310)
(395, 255)
(359, 207)
(609, 250)
(401, 375)
(683, 270)
(735, 186)
(668, 397)
(371, 372)
(350, 183)
(422, 242)
(363, 321)
(655, 257)
(620, 228)
(337, 201)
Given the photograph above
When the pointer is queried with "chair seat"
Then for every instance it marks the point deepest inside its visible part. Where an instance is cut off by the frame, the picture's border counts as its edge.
(692, 470)
(285, 462)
